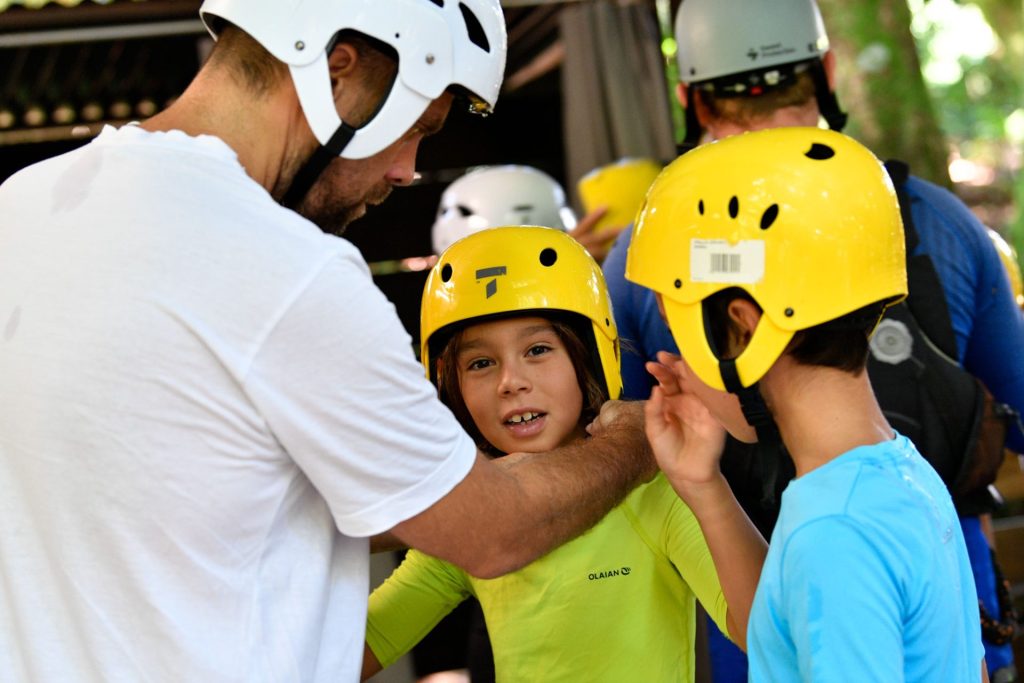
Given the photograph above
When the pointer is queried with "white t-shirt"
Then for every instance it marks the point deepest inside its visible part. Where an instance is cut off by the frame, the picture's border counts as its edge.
(205, 406)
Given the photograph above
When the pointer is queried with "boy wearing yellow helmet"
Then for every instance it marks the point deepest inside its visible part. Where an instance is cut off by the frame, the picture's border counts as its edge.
(755, 64)
(518, 334)
(773, 255)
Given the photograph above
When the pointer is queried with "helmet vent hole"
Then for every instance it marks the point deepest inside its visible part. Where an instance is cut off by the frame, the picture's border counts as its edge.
(700, 207)
(548, 257)
(734, 207)
(678, 284)
(820, 152)
(464, 210)
(523, 208)
(769, 216)
(439, 3)
(446, 272)
(474, 29)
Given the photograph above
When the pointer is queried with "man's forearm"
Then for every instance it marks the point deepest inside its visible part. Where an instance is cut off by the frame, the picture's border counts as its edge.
(565, 492)
(386, 542)
(508, 512)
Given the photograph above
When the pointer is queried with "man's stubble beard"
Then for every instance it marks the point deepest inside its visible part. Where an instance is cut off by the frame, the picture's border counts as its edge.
(333, 213)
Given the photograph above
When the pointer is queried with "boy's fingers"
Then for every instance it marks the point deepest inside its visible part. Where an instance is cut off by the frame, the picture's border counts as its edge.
(666, 377)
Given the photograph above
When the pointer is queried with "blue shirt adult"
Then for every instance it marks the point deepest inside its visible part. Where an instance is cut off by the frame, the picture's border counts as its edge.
(856, 584)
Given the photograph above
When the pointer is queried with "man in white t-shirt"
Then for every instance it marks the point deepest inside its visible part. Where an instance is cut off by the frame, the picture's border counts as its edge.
(207, 405)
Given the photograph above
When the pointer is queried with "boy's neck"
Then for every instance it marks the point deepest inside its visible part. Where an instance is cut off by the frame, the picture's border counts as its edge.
(822, 412)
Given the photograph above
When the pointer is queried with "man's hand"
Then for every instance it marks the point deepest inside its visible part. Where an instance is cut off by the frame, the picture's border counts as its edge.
(597, 243)
(624, 413)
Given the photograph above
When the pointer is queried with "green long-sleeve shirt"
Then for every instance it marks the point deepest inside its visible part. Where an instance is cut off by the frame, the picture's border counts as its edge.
(616, 604)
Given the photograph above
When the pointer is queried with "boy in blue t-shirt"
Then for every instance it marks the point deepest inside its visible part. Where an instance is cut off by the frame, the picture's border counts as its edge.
(773, 255)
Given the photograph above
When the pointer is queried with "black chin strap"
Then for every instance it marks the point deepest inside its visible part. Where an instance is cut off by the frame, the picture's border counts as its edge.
(769, 441)
(753, 405)
(828, 105)
(693, 131)
(316, 164)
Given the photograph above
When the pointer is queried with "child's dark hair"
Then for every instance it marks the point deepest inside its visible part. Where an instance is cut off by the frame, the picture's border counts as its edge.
(841, 343)
(571, 329)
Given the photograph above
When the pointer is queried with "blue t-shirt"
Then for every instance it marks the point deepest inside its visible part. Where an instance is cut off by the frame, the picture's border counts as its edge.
(867, 577)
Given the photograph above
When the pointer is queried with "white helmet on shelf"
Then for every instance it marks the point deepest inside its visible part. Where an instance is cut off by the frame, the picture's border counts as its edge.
(495, 196)
(440, 44)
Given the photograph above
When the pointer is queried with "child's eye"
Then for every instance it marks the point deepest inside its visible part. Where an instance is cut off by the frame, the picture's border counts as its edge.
(538, 350)
(479, 364)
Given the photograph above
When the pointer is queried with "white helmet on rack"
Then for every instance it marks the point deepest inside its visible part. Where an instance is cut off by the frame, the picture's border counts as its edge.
(440, 43)
(495, 196)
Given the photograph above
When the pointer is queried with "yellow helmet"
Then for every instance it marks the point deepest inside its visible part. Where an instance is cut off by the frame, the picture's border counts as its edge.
(805, 220)
(621, 186)
(1008, 255)
(518, 269)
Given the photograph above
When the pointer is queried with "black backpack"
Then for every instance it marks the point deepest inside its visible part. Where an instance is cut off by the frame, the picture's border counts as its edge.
(922, 389)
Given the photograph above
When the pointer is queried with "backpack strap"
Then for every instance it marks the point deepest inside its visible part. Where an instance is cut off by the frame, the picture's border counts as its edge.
(927, 300)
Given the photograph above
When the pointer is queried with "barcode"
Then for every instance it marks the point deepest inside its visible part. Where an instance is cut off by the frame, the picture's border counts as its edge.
(725, 263)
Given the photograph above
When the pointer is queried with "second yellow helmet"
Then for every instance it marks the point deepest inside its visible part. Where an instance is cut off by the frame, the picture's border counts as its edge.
(805, 220)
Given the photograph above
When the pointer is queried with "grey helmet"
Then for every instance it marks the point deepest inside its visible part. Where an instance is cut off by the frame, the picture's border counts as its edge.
(741, 48)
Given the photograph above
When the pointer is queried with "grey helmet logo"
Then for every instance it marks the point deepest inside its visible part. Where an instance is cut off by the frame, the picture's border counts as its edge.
(752, 53)
(494, 273)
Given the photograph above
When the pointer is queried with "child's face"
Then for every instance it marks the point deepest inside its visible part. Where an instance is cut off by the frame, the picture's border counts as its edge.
(519, 385)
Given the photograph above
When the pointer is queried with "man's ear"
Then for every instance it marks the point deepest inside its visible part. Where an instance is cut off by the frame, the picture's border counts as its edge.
(341, 64)
(745, 315)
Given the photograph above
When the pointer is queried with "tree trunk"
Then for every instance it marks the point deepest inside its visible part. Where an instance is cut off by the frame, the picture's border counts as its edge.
(881, 86)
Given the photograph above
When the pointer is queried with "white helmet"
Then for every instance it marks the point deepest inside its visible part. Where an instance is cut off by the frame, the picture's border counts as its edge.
(440, 43)
(717, 38)
(495, 196)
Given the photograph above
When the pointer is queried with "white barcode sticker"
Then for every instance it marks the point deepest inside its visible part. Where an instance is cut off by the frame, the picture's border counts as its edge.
(719, 261)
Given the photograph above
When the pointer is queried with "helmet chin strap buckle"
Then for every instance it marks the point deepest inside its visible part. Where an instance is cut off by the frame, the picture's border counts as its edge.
(315, 165)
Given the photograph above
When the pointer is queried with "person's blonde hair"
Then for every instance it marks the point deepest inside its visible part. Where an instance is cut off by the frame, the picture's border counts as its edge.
(745, 110)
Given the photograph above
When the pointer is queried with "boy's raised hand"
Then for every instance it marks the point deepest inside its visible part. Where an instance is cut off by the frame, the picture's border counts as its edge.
(686, 439)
